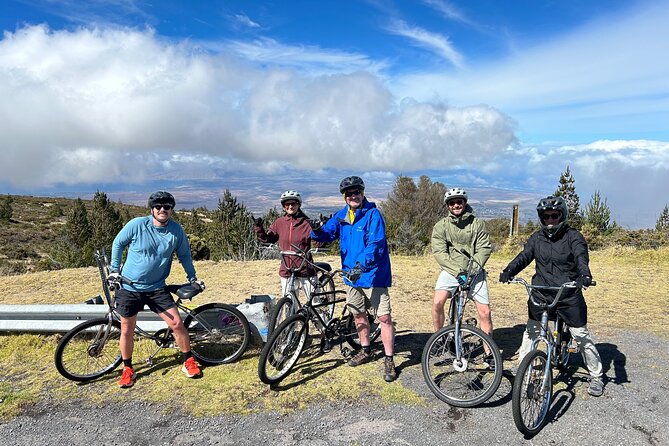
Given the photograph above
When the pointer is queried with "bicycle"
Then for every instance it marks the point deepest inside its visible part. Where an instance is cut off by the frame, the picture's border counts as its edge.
(322, 284)
(533, 385)
(286, 343)
(219, 334)
(456, 359)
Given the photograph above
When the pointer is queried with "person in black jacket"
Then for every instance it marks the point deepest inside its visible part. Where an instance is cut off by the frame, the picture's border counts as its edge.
(560, 253)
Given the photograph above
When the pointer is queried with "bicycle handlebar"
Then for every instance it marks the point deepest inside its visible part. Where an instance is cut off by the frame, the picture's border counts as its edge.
(560, 290)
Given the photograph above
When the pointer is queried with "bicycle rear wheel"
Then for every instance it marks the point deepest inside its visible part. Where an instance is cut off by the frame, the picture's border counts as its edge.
(89, 350)
(219, 333)
(281, 311)
(471, 380)
(352, 333)
(283, 349)
(531, 394)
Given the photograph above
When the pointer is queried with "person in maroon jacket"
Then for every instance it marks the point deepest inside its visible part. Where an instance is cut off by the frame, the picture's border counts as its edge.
(293, 228)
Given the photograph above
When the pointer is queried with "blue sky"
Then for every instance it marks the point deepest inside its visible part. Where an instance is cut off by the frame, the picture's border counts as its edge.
(259, 96)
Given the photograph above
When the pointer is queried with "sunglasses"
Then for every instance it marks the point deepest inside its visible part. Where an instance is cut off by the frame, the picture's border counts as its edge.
(550, 216)
(350, 193)
(167, 207)
(458, 202)
(289, 203)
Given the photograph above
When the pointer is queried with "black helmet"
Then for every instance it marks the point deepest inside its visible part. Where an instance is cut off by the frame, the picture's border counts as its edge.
(161, 197)
(552, 203)
(351, 182)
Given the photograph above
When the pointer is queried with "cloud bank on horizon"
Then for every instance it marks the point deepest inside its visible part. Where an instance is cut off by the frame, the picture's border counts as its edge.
(104, 93)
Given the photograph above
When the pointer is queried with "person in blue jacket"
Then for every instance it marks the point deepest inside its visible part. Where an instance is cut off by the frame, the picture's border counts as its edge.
(361, 231)
(151, 243)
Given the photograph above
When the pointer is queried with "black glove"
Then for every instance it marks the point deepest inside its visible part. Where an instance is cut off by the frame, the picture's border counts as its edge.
(355, 273)
(462, 278)
(505, 276)
(257, 221)
(197, 283)
(315, 224)
(584, 281)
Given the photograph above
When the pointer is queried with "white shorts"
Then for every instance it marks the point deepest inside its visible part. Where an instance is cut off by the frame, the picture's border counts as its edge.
(479, 290)
(306, 284)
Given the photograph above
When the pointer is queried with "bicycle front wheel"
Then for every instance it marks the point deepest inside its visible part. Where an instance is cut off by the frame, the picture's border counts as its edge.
(352, 333)
(532, 392)
(283, 349)
(468, 381)
(89, 350)
(281, 311)
(219, 333)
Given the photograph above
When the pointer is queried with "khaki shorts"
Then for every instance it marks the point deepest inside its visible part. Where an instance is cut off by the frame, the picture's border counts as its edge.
(359, 299)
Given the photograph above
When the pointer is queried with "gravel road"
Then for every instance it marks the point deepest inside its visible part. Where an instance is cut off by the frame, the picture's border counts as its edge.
(634, 410)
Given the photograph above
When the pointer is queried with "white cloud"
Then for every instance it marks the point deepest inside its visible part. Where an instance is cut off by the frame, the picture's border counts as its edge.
(120, 104)
(426, 39)
(246, 21)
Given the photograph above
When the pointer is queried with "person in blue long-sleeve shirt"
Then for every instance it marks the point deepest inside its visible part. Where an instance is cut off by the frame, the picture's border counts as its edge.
(361, 231)
(151, 242)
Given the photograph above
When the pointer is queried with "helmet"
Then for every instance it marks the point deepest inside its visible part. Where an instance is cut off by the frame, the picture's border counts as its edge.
(291, 195)
(456, 192)
(552, 203)
(161, 197)
(351, 182)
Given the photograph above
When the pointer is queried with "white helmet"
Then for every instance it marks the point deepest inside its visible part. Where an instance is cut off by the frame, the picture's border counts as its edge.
(456, 192)
(291, 195)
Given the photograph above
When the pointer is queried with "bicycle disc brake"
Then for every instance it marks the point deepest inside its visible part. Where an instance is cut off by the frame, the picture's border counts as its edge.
(164, 338)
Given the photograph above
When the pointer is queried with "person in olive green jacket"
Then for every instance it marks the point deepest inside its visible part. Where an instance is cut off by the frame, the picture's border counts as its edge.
(461, 230)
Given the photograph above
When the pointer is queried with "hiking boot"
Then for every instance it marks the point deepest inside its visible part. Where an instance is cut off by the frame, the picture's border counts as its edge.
(128, 377)
(389, 373)
(191, 368)
(359, 358)
(596, 387)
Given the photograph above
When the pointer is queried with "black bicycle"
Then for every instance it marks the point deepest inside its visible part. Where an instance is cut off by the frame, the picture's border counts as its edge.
(219, 334)
(286, 343)
(533, 386)
(461, 364)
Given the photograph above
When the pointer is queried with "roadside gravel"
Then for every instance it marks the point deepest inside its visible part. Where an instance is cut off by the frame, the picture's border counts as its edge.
(634, 410)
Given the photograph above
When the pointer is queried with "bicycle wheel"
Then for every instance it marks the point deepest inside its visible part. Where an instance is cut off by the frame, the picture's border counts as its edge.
(352, 333)
(531, 394)
(280, 312)
(452, 308)
(326, 294)
(89, 350)
(564, 339)
(469, 381)
(219, 333)
(283, 349)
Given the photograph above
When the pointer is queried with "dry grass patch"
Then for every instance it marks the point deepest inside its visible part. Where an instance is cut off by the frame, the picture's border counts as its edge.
(633, 287)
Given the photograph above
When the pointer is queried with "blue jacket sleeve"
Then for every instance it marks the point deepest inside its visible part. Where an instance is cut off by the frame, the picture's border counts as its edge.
(328, 232)
(185, 257)
(122, 239)
(376, 241)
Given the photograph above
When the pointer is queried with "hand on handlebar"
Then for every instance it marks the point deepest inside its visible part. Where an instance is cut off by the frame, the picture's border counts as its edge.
(505, 276)
(197, 283)
(114, 280)
(584, 281)
(355, 273)
(256, 221)
(462, 278)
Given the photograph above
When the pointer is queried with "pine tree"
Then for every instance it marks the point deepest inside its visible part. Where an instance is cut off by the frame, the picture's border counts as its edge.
(662, 223)
(567, 190)
(74, 248)
(105, 220)
(231, 236)
(597, 214)
(6, 209)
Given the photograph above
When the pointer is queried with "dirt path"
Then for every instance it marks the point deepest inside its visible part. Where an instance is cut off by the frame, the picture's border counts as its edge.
(633, 411)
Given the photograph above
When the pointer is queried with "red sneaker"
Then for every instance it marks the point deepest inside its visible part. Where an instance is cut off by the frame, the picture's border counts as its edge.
(191, 368)
(127, 378)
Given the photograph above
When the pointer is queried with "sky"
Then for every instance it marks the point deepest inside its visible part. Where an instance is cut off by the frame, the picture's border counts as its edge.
(129, 96)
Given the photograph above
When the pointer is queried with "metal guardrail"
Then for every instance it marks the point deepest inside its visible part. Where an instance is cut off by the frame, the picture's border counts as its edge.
(59, 318)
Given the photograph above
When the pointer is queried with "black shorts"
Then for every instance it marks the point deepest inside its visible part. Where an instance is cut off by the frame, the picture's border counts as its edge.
(573, 310)
(129, 303)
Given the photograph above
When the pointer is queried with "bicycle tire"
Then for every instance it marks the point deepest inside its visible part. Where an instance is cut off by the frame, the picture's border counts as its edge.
(326, 285)
(470, 382)
(283, 349)
(281, 311)
(219, 333)
(82, 355)
(452, 308)
(352, 333)
(529, 401)
(562, 358)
